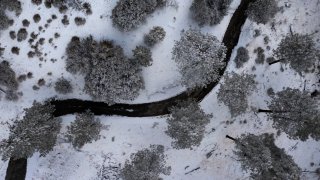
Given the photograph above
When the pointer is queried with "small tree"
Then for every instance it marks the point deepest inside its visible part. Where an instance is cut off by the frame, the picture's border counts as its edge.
(128, 14)
(266, 161)
(36, 132)
(209, 12)
(63, 86)
(187, 124)
(242, 57)
(8, 76)
(296, 113)
(261, 11)
(200, 57)
(297, 50)
(156, 35)
(234, 91)
(142, 55)
(146, 164)
(84, 129)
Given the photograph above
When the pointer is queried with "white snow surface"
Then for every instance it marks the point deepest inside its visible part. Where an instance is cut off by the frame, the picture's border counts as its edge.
(122, 136)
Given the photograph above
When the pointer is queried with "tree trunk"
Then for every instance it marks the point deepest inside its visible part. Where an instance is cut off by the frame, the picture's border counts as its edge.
(276, 61)
(264, 111)
(229, 137)
(17, 169)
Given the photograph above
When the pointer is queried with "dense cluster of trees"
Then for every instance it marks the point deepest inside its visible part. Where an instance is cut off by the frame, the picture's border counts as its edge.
(209, 12)
(36, 132)
(261, 11)
(128, 14)
(259, 154)
(296, 113)
(299, 51)
(200, 57)
(187, 123)
(147, 163)
(109, 75)
(234, 91)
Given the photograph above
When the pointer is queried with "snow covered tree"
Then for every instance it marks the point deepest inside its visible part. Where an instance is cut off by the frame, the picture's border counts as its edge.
(234, 91)
(242, 57)
(209, 12)
(146, 164)
(200, 57)
(36, 132)
(299, 51)
(261, 11)
(84, 129)
(129, 14)
(259, 154)
(142, 55)
(63, 86)
(8, 76)
(296, 113)
(187, 124)
(109, 75)
(156, 35)
(80, 56)
(114, 77)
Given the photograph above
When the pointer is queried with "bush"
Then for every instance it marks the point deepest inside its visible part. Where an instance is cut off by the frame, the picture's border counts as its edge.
(155, 35)
(260, 55)
(209, 12)
(36, 132)
(11, 5)
(261, 11)
(142, 56)
(187, 124)
(128, 14)
(8, 76)
(265, 160)
(296, 113)
(234, 91)
(146, 164)
(84, 129)
(299, 51)
(242, 57)
(200, 57)
(63, 86)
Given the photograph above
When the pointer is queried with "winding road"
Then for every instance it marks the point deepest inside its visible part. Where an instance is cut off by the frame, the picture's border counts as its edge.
(17, 168)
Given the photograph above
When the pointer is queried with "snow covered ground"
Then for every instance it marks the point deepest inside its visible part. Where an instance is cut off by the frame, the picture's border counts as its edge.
(122, 136)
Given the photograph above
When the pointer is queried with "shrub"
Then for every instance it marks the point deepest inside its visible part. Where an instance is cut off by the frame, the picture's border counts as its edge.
(261, 11)
(155, 35)
(22, 34)
(63, 86)
(265, 160)
(142, 55)
(36, 132)
(146, 164)
(260, 55)
(234, 91)
(200, 57)
(84, 129)
(187, 124)
(242, 57)
(297, 50)
(209, 12)
(8, 76)
(128, 14)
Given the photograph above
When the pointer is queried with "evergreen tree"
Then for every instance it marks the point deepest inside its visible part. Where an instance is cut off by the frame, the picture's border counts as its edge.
(234, 91)
(200, 57)
(299, 51)
(146, 164)
(84, 129)
(187, 124)
(242, 57)
(296, 113)
(36, 132)
(261, 11)
(265, 160)
(63, 86)
(142, 55)
(156, 35)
